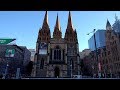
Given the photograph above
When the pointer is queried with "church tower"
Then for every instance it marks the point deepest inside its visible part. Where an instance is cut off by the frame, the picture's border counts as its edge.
(72, 48)
(44, 32)
(42, 48)
(57, 56)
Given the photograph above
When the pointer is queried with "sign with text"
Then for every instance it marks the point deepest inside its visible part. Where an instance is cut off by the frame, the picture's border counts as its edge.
(6, 41)
(10, 53)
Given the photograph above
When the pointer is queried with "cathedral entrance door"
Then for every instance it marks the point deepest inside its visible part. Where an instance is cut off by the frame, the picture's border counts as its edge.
(56, 72)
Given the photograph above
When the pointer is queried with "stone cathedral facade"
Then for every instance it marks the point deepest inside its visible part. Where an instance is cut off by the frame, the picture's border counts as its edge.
(56, 56)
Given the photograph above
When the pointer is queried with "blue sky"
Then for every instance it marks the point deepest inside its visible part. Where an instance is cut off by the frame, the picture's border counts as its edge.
(24, 25)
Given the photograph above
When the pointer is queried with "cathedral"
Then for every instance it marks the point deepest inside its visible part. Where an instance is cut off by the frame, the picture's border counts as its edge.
(56, 56)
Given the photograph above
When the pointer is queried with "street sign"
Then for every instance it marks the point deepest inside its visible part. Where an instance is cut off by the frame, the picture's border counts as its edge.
(6, 41)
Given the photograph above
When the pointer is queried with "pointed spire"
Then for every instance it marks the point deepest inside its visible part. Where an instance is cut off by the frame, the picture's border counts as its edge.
(57, 23)
(46, 17)
(45, 22)
(69, 25)
(116, 17)
(57, 30)
(108, 25)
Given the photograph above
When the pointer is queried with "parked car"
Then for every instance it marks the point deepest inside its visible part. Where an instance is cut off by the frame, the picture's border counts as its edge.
(77, 76)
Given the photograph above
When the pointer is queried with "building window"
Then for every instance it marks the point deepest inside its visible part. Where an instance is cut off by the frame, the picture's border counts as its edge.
(108, 52)
(105, 54)
(63, 54)
(112, 37)
(57, 53)
(103, 61)
(42, 63)
(102, 54)
(106, 61)
(109, 60)
(50, 54)
(72, 63)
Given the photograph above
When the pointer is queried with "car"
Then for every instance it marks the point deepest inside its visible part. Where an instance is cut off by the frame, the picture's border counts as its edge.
(77, 76)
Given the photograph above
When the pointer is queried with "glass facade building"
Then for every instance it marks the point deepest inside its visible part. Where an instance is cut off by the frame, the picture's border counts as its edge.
(100, 39)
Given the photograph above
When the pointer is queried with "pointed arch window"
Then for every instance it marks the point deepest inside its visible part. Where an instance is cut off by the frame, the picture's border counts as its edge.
(50, 54)
(57, 53)
(47, 38)
(63, 54)
(42, 63)
(72, 63)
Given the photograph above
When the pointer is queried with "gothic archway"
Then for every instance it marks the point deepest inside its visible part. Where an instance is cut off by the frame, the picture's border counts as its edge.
(56, 72)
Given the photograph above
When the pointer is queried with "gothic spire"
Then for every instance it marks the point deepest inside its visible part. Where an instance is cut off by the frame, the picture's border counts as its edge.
(69, 25)
(57, 30)
(57, 23)
(45, 22)
(108, 25)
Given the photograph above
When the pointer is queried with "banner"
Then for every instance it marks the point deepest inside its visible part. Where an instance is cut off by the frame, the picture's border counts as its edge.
(43, 48)
(99, 66)
(10, 53)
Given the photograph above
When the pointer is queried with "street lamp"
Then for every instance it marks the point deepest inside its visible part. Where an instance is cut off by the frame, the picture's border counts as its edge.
(95, 49)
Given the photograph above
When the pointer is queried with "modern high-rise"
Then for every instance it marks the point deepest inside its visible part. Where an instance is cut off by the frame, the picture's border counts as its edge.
(100, 39)
(116, 25)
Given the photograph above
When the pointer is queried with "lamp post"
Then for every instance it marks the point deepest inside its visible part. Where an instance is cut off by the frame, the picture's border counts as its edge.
(93, 70)
(71, 69)
(95, 50)
(18, 73)
(110, 73)
(6, 71)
